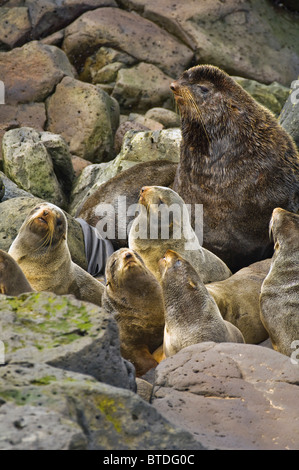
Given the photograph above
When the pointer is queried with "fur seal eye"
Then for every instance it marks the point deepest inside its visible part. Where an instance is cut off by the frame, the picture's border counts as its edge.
(178, 263)
(160, 202)
(203, 88)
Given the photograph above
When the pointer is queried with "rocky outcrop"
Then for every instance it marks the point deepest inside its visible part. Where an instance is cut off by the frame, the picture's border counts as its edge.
(231, 396)
(289, 116)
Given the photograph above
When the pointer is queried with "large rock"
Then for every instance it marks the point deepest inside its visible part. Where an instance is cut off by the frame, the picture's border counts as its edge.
(244, 37)
(23, 115)
(86, 117)
(46, 408)
(30, 73)
(230, 396)
(14, 27)
(129, 33)
(14, 211)
(137, 147)
(66, 333)
(38, 163)
(142, 87)
(289, 117)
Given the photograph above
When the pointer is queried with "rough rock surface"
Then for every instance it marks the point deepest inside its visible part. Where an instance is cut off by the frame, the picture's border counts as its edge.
(86, 117)
(61, 331)
(43, 407)
(30, 73)
(231, 396)
(289, 116)
(38, 163)
(128, 32)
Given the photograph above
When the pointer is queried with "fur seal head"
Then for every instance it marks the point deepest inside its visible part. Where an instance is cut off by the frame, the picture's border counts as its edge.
(191, 314)
(283, 229)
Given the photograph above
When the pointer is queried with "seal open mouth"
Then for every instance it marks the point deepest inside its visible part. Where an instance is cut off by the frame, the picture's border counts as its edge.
(41, 219)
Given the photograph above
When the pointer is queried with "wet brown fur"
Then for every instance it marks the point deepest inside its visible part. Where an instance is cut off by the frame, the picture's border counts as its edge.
(236, 160)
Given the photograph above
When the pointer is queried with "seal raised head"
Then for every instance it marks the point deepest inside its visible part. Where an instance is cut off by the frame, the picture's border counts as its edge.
(236, 160)
(164, 223)
(42, 252)
(191, 314)
(279, 299)
(12, 279)
(134, 296)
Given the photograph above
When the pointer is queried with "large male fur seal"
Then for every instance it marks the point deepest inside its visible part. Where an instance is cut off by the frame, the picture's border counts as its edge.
(12, 279)
(279, 300)
(191, 313)
(41, 251)
(111, 201)
(236, 160)
(134, 296)
(238, 299)
(166, 225)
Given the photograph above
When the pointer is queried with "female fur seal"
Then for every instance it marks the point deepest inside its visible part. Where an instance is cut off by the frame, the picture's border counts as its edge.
(12, 279)
(279, 299)
(41, 251)
(236, 160)
(191, 313)
(166, 225)
(238, 299)
(134, 296)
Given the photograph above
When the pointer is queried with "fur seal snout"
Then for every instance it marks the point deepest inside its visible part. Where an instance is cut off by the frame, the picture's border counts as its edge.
(279, 299)
(191, 314)
(41, 251)
(134, 296)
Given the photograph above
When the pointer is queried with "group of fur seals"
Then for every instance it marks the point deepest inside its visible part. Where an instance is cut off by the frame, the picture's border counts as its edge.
(279, 299)
(166, 225)
(42, 253)
(134, 297)
(236, 160)
(191, 314)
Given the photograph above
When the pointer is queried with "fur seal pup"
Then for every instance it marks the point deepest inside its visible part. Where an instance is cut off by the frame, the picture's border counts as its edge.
(12, 279)
(236, 160)
(238, 299)
(167, 226)
(279, 299)
(134, 296)
(191, 314)
(41, 251)
(121, 192)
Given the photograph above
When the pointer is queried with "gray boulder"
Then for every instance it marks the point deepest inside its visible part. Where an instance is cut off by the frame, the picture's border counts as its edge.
(142, 87)
(289, 117)
(82, 414)
(31, 72)
(127, 32)
(86, 117)
(231, 396)
(42, 327)
(15, 27)
(37, 163)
